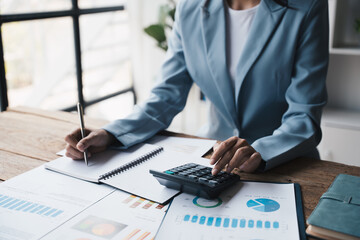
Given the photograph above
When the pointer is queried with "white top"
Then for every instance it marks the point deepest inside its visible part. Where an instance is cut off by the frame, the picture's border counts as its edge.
(238, 27)
(237, 31)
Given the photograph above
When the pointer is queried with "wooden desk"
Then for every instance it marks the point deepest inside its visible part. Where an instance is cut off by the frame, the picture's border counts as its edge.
(30, 137)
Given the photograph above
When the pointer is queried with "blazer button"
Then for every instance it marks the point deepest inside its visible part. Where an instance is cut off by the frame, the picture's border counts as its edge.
(236, 132)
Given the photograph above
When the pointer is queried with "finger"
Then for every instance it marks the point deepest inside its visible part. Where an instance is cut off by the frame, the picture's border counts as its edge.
(73, 152)
(223, 147)
(222, 162)
(241, 155)
(87, 141)
(72, 156)
(73, 138)
(216, 146)
(252, 164)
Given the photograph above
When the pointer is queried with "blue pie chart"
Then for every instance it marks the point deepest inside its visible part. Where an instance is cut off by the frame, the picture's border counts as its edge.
(263, 205)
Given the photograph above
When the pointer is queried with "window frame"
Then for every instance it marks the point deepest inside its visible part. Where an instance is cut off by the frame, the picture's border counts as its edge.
(75, 12)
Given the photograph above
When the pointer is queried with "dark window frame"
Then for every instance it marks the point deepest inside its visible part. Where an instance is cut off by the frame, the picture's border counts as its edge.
(75, 12)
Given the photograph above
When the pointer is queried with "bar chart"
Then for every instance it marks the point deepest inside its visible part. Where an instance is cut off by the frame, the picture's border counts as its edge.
(227, 222)
(136, 202)
(21, 205)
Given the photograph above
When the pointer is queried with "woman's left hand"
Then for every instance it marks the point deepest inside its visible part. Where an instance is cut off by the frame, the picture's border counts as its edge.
(235, 153)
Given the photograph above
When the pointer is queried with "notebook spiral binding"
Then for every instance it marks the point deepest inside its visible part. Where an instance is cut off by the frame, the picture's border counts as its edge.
(131, 164)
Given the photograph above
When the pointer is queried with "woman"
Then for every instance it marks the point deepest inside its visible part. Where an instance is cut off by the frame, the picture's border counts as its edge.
(261, 64)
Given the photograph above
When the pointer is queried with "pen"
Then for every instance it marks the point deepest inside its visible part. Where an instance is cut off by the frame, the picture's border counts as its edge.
(82, 127)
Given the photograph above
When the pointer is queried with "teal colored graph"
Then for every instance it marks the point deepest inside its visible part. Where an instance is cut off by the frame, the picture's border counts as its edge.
(228, 222)
(263, 204)
(21, 205)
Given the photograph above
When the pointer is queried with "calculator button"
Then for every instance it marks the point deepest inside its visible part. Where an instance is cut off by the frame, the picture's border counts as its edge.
(183, 174)
(193, 177)
(203, 180)
(201, 167)
(197, 174)
(212, 183)
(169, 172)
(220, 180)
(191, 164)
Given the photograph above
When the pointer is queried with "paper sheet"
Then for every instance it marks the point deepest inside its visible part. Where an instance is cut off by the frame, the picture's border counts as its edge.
(99, 163)
(118, 216)
(140, 182)
(38, 201)
(190, 146)
(248, 210)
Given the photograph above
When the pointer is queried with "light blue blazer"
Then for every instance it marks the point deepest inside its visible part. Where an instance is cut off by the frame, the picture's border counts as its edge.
(279, 89)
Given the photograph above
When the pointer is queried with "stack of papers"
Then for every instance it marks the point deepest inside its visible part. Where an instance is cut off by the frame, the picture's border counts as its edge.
(48, 205)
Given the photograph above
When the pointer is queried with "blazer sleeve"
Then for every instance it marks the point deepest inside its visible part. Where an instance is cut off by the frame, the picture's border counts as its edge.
(166, 100)
(299, 132)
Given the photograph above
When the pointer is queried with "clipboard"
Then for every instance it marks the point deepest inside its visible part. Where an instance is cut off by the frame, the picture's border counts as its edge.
(169, 216)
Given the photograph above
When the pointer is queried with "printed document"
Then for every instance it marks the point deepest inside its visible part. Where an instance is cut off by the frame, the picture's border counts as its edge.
(249, 210)
(117, 216)
(36, 202)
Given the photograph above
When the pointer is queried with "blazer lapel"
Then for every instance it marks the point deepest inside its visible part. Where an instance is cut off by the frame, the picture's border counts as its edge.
(264, 24)
(214, 33)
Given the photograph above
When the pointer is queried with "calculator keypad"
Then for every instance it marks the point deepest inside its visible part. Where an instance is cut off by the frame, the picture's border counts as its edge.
(196, 179)
(199, 173)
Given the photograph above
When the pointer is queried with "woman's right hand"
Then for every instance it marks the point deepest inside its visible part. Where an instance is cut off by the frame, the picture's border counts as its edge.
(95, 141)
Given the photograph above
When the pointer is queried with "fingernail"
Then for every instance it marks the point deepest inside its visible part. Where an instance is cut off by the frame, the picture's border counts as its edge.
(80, 146)
(214, 171)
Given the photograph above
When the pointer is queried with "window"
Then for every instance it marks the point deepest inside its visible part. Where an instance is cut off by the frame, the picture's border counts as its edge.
(54, 53)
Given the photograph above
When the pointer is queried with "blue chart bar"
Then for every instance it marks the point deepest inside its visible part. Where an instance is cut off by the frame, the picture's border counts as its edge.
(210, 221)
(29, 207)
(5, 201)
(50, 212)
(11, 203)
(251, 223)
(218, 222)
(276, 224)
(16, 205)
(2, 199)
(23, 206)
(203, 220)
(234, 223)
(43, 210)
(226, 222)
(57, 213)
(37, 209)
(242, 223)
(267, 224)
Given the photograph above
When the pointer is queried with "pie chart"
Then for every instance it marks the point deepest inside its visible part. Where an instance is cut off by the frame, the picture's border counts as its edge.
(263, 205)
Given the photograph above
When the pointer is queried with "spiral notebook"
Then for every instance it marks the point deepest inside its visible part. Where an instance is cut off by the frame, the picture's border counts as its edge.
(127, 170)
